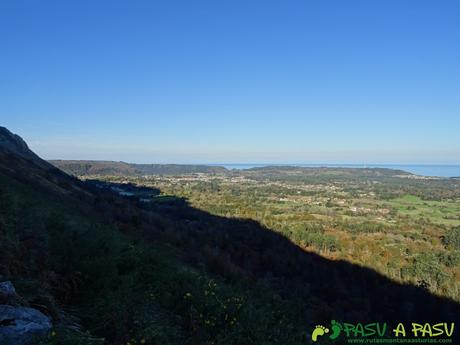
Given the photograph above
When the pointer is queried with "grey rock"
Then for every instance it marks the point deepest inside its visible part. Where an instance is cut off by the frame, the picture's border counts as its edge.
(23, 326)
(13, 144)
(7, 289)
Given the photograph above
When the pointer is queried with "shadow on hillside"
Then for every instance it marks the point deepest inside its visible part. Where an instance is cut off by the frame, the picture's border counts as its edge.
(324, 289)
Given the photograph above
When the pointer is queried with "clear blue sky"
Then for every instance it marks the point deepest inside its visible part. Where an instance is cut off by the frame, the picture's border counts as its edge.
(233, 81)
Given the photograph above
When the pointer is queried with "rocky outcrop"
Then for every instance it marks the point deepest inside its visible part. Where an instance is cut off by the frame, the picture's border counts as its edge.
(7, 290)
(19, 162)
(8, 294)
(20, 325)
(15, 144)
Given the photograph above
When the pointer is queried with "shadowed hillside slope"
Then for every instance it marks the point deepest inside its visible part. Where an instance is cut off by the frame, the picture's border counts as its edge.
(167, 273)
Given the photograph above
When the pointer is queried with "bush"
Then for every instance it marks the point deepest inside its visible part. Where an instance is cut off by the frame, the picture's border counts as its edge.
(452, 239)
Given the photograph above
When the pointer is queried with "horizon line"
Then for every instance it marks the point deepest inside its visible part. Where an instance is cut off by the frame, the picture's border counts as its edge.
(265, 163)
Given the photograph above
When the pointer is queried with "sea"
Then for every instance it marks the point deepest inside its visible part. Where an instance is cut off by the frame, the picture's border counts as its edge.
(422, 169)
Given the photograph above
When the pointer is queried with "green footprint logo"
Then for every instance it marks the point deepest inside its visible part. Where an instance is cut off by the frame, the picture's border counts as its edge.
(319, 331)
(336, 330)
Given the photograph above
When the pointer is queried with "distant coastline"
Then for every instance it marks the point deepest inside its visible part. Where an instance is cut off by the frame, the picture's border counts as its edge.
(418, 169)
(95, 167)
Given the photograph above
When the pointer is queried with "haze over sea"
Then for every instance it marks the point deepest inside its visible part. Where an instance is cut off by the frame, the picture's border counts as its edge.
(421, 169)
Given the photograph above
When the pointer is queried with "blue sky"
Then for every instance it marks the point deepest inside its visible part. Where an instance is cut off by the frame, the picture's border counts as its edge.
(233, 81)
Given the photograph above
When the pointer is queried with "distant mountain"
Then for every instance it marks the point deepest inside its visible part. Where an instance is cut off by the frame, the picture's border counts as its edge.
(82, 168)
(89, 167)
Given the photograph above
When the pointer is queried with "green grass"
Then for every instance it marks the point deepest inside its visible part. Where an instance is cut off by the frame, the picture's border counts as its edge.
(437, 212)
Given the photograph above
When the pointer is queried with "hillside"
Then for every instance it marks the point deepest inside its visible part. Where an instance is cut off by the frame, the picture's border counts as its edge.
(62, 247)
(367, 172)
(165, 272)
(81, 168)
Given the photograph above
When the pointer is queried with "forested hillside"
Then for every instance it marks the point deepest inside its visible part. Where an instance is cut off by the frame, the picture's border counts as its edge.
(79, 168)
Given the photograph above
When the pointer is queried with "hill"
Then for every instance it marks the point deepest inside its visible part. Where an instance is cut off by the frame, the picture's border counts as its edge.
(111, 270)
(82, 168)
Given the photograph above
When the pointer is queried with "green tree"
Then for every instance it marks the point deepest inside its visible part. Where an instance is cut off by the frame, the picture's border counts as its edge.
(452, 239)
